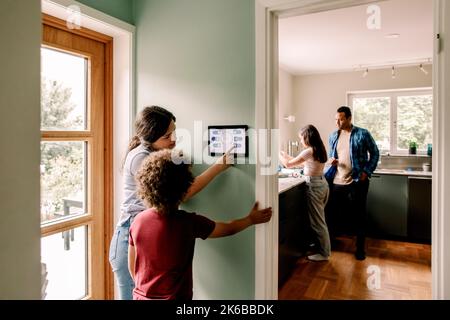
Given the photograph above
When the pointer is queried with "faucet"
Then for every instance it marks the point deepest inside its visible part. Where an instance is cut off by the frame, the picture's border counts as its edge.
(291, 145)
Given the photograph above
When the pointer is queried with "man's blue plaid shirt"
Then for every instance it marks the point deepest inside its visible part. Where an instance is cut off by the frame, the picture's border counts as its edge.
(362, 145)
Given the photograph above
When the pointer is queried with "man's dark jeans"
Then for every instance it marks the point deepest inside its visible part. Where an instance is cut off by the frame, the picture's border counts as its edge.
(346, 211)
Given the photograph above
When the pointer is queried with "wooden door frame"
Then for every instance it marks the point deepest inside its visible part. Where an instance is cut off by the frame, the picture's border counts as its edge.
(124, 98)
(267, 13)
(107, 153)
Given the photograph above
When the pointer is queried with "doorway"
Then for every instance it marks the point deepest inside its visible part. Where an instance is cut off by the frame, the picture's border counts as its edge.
(373, 59)
(267, 25)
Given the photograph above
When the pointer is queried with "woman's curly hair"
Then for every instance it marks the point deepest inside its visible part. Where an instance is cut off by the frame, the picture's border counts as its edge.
(163, 179)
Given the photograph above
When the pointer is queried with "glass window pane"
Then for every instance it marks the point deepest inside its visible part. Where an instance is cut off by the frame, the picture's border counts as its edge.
(63, 91)
(415, 121)
(373, 114)
(65, 258)
(63, 177)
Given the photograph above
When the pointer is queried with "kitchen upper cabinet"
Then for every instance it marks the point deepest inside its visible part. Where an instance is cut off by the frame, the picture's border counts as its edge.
(387, 206)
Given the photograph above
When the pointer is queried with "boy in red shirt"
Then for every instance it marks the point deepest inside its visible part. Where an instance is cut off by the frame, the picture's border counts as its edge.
(162, 238)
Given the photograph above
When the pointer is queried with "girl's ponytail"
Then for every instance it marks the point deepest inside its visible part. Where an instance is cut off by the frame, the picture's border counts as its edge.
(134, 142)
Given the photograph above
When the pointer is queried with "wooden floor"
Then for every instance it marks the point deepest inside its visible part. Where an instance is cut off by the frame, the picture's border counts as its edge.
(405, 273)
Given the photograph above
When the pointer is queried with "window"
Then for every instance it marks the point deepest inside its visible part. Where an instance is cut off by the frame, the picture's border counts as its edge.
(75, 161)
(395, 118)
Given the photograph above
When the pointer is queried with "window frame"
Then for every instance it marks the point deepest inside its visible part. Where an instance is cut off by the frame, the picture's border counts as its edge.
(393, 94)
(100, 160)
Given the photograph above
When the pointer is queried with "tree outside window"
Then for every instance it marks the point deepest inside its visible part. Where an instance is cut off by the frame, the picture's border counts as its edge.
(415, 120)
(395, 119)
(374, 115)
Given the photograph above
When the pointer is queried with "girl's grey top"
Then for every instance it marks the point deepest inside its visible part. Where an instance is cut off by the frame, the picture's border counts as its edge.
(132, 205)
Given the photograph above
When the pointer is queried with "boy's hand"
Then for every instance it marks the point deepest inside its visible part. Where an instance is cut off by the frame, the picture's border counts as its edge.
(223, 229)
(260, 216)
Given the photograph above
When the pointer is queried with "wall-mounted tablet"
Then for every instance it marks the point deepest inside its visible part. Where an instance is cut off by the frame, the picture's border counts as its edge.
(222, 138)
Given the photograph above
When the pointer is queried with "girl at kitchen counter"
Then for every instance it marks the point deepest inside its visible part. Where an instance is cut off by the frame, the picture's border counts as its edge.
(313, 159)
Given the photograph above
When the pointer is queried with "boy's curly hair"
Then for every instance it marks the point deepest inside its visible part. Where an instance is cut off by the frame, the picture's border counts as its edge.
(162, 183)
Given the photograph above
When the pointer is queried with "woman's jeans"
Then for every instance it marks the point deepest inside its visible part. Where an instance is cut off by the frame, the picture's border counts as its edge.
(317, 197)
(118, 258)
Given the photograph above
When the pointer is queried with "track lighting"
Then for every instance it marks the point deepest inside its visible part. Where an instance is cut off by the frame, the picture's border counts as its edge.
(421, 65)
(366, 72)
(289, 118)
(423, 69)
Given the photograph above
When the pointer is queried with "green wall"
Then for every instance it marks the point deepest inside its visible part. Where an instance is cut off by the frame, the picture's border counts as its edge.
(121, 9)
(20, 233)
(196, 58)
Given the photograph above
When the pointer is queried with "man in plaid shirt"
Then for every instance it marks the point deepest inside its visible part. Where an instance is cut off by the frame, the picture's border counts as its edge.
(355, 154)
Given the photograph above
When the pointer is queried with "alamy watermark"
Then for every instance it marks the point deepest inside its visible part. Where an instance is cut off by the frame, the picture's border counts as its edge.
(374, 278)
(374, 20)
(263, 148)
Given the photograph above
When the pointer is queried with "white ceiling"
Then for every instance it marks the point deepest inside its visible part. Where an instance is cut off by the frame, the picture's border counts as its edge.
(340, 40)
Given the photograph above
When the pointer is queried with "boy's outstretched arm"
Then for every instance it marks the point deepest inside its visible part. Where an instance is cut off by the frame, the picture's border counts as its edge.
(209, 174)
(256, 216)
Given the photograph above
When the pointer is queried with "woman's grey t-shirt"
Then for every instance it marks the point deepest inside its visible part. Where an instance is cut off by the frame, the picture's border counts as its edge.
(132, 205)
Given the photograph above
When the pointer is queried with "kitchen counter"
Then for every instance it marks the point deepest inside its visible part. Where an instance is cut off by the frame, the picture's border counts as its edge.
(285, 184)
(401, 172)
(293, 225)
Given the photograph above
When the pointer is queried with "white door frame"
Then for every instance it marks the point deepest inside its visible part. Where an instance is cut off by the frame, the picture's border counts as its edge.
(267, 13)
(440, 262)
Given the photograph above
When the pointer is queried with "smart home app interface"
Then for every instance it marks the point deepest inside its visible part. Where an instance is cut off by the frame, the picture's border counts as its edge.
(221, 140)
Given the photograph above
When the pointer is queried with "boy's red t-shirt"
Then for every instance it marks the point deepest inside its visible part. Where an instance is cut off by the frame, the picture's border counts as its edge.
(164, 247)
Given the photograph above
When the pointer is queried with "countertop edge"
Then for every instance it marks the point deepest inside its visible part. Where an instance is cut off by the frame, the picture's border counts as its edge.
(294, 182)
(405, 173)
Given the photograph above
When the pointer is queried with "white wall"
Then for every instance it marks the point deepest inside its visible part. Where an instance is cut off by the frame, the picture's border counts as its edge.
(317, 97)
(288, 130)
(20, 31)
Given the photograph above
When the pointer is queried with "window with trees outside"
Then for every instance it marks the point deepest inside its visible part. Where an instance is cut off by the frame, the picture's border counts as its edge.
(395, 119)
(76, 219)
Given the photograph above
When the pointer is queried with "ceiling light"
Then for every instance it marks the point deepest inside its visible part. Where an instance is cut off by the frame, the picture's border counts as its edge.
(392, 36)
(289, 118)
(423, 69)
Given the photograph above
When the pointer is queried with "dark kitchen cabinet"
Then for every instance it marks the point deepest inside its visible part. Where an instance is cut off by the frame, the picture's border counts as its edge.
(387, 206)
(399, 207)
(294, 230)
(419, 209)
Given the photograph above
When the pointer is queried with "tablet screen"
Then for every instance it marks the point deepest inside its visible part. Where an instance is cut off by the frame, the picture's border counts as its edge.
(222, 138)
